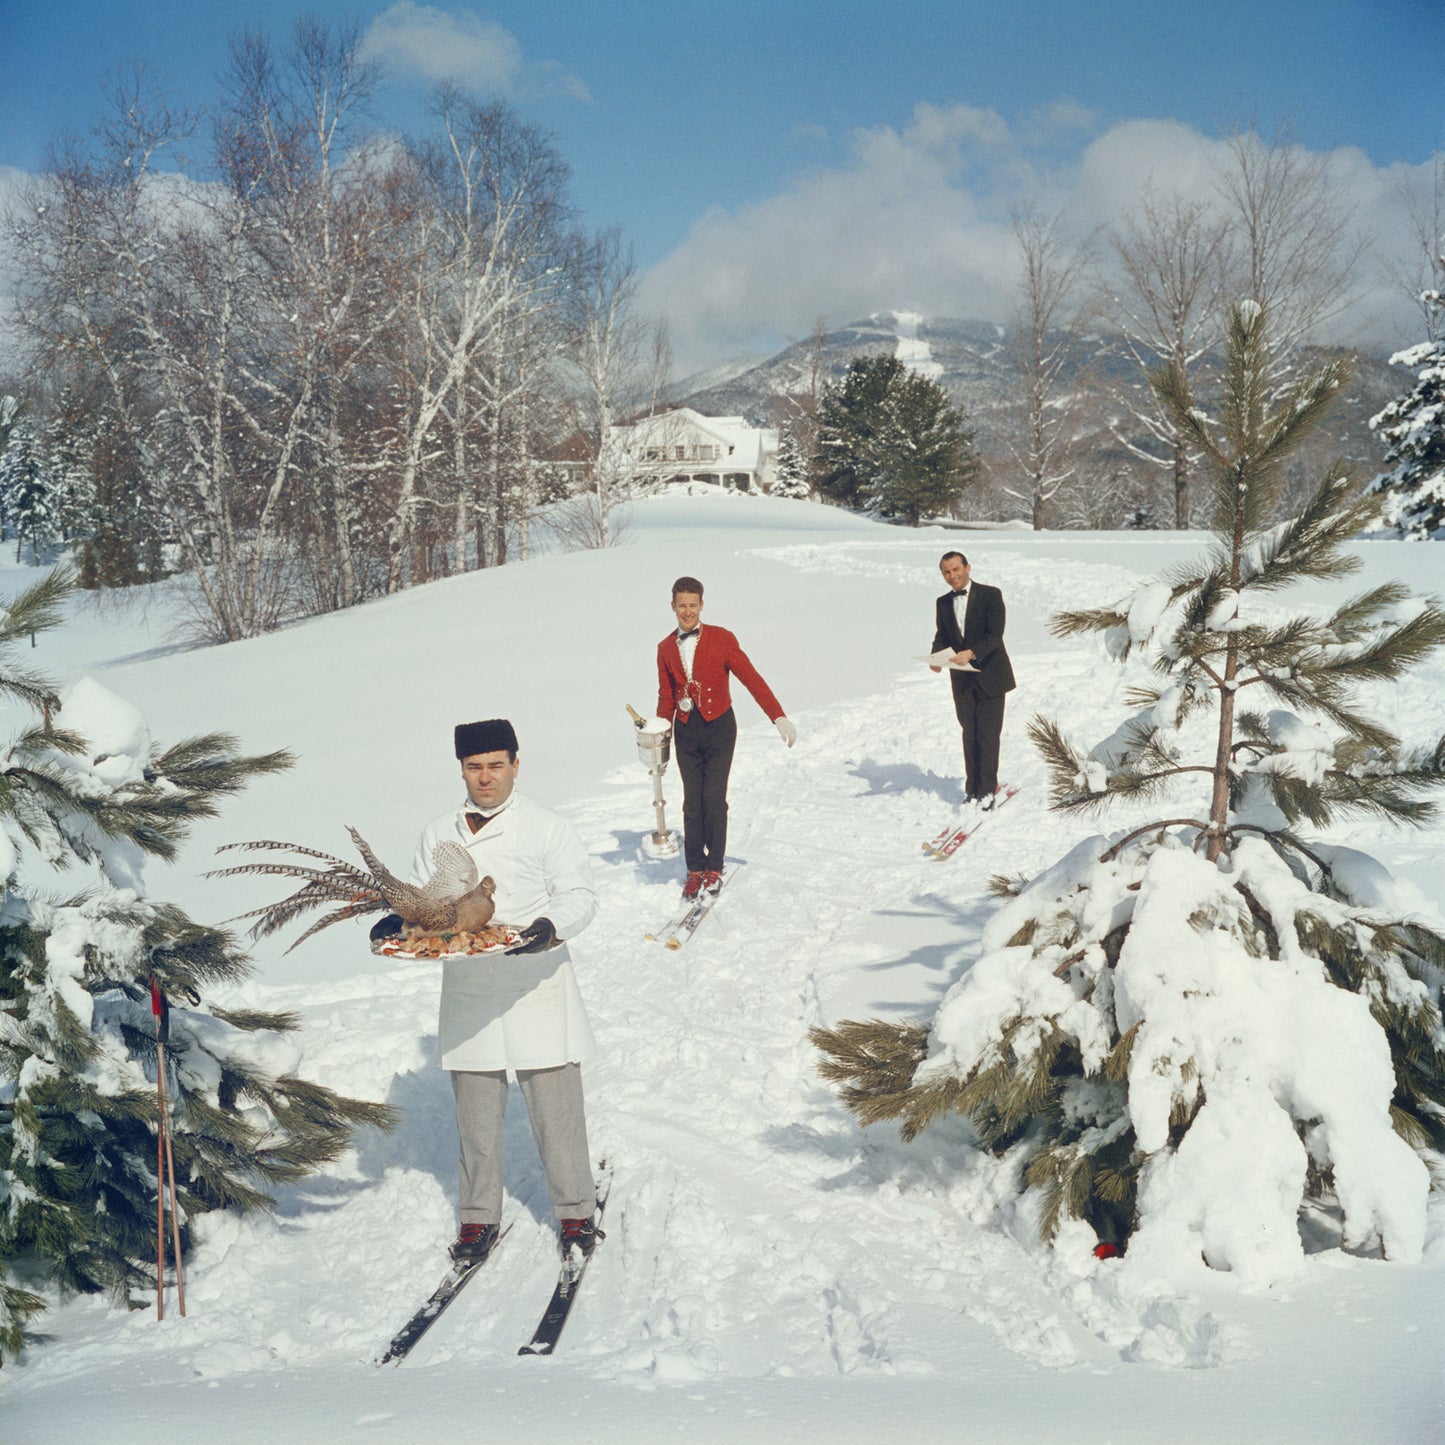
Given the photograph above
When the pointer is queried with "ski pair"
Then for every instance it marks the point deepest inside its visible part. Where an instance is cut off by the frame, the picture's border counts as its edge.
(685, 921)
(554, 1317)
(955, 835)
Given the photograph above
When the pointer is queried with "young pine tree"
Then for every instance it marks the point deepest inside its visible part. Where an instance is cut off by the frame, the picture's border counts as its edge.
(791, 478)
(1187, 1031)
(85, 800)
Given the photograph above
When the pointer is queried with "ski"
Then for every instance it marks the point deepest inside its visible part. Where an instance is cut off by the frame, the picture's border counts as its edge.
(955, 838)
(564, 1296)
(457, 1279)
(669, 929)
(700, 910)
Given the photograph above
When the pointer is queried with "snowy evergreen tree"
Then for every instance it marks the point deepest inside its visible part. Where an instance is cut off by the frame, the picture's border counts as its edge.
(85, 799)
(890, 441)
(1183, 1033)
(28, 497)
(1412, 491)
(68, 445)
(791, 478)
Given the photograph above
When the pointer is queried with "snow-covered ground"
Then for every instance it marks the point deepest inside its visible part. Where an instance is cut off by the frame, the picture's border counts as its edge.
(772, 1272)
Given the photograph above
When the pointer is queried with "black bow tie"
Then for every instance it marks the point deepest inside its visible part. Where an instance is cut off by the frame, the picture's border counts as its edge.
(683, 636)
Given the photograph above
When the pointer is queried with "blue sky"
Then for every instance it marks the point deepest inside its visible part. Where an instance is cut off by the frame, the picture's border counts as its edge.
(709, 132)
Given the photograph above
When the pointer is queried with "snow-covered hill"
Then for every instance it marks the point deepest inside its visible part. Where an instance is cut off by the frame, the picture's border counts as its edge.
(771, 1271)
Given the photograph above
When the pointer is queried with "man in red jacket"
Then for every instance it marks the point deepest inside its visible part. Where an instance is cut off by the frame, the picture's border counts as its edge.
(693, 666)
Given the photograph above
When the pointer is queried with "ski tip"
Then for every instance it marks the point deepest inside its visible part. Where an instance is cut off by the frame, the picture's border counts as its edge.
(535, 1350)
(674, 944)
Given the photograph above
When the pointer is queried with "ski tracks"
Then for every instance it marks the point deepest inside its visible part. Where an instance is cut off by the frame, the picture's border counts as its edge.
(755, 1229)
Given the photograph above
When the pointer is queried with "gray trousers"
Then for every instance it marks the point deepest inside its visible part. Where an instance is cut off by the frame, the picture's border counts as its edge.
(559, 1125)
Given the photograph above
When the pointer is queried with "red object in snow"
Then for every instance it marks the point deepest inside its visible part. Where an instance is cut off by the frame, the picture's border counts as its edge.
(1107, 1251)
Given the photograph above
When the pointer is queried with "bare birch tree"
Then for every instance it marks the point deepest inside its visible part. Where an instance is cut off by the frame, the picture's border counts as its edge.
(131, 274)
(321, 235)
(491, 185)
(610, 370)
(1053, 316)
(1294, 239)
(1172, 255)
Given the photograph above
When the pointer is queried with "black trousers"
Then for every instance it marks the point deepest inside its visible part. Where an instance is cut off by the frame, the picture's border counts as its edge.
(981, 719)
(705, 758)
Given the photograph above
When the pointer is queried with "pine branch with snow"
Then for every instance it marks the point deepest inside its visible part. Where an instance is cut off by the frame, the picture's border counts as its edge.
(85, 798)
(1186, 1030)
(1411, 492)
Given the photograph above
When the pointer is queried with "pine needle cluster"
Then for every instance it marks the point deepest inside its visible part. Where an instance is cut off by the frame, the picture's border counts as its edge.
(79, 946)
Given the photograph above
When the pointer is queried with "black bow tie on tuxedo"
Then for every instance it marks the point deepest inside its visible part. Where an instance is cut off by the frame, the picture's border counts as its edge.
(683, 636)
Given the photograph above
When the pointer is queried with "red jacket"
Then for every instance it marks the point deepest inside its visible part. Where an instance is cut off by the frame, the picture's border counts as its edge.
(717, 654)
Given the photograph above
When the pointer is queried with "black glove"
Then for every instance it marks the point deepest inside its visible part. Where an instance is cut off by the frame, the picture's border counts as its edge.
(387, 927)
(537, 936)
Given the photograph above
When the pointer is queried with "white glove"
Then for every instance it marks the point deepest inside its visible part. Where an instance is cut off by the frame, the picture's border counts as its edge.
(786, 731)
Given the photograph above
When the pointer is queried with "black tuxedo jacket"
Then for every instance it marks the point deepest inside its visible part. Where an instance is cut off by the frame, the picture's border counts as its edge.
(983, 632)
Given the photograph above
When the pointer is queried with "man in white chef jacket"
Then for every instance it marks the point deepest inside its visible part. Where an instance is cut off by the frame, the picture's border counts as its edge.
(521, 1011)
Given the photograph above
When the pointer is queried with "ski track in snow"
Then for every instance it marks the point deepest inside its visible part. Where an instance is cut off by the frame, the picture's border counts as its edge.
(916, 355)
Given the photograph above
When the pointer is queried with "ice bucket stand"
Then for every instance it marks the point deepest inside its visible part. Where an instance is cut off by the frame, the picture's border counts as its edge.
(655, 749)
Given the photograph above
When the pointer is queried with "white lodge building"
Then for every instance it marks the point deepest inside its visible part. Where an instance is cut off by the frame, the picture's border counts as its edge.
(684, 446)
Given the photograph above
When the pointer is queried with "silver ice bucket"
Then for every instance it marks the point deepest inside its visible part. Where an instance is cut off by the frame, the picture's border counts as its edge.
(655, 750)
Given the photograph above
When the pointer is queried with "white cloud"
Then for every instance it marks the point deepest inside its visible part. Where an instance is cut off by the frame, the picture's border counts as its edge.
(460, 46)
(894, 227)
(918, 219)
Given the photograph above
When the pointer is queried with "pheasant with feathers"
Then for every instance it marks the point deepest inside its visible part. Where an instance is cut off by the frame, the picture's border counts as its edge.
(453, 901)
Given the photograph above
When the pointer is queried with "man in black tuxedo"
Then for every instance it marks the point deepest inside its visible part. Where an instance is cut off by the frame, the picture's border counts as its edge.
(970, 620)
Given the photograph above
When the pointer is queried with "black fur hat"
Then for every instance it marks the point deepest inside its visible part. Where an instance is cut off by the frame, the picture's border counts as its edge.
(495, 735)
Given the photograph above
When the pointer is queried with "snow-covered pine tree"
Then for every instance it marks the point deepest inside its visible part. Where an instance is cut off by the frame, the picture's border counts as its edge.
(1188, 1031)
(27, 492)
(69, 445)
(85, 799)
(1412, 490)
(791, 477)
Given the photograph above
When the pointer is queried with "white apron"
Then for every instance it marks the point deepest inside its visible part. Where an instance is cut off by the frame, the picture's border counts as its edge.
(525, 1011)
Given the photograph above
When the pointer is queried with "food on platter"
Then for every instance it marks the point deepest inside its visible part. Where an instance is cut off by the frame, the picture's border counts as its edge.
(417, 943)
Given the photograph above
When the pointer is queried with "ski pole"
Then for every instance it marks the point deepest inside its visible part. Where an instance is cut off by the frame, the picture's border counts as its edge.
(166, 1175)
(160, 1173)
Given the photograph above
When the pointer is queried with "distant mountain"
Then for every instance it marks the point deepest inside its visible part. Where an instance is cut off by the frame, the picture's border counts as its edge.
(971, 361)
(969, 355)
